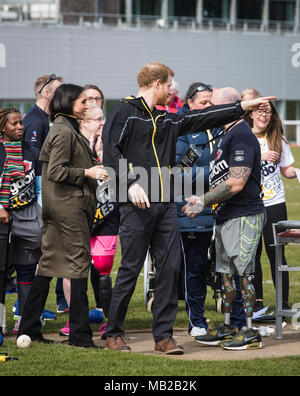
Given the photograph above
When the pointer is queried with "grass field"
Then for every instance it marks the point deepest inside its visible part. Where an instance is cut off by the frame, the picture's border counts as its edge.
(59, 360)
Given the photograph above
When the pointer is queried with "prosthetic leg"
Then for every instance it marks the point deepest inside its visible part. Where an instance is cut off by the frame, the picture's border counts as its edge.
(104, 264)
(105, 293)
(229, 294)
(247, 338)
(249, 297)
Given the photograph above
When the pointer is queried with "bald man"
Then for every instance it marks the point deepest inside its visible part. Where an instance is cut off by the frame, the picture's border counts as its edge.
(236, 198)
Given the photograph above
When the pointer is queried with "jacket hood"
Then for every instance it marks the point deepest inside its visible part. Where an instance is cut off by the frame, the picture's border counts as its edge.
(137, 102)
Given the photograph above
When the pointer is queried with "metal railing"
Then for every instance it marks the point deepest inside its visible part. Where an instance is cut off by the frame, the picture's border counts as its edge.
(292, 131)
(147, 21)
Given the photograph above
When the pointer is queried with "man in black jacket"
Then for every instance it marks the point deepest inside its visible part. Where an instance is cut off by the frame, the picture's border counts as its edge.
(139, 146)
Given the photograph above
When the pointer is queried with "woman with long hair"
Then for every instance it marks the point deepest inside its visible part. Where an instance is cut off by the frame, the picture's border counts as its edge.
(277, 161)
(69, 177)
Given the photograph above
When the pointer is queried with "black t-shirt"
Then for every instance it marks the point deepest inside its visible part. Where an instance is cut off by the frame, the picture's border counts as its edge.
(237, 148)
(36, 128)
(107, 218)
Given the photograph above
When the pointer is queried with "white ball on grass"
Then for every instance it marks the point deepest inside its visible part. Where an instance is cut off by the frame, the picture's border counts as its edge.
(24, 341)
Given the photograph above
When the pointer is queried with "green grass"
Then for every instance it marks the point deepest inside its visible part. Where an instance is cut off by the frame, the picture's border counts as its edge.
(59, 360)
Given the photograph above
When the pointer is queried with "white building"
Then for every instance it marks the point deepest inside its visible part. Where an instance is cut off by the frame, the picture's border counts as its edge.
(224, 43)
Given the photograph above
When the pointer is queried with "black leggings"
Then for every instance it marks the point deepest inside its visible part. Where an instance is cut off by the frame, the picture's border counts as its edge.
(275, 213)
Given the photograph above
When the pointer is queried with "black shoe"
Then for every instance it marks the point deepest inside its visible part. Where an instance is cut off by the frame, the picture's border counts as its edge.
(216, 335)
(42, 340)
(259, 305)
(285, 305)
(84, 346)
(246, 339)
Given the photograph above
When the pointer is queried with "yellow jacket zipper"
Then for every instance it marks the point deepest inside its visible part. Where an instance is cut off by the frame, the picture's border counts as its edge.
(154, 149)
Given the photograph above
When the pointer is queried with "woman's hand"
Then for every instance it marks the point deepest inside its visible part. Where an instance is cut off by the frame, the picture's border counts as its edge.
(96, 173)
(99, 149)
(271, 156)
(4, 216)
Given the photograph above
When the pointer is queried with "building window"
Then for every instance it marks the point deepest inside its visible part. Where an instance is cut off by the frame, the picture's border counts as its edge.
(216, 9)
(184, 8)
(249, 9)
(149, 7)
(282, 10)
(22, 106)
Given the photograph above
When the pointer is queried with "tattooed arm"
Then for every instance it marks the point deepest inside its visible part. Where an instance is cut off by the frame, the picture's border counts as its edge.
(238, 177)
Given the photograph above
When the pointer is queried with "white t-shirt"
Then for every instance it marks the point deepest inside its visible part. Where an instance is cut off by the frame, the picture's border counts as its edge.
(272, 183)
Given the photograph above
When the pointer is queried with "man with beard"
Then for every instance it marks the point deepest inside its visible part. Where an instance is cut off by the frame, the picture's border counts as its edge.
(145, 139)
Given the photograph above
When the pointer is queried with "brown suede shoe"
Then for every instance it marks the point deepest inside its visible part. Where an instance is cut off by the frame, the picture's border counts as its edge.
(117, 344)
(168, 346)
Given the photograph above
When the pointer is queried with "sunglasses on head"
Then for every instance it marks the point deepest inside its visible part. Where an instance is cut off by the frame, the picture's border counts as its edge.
(202, 88)
(51, 78)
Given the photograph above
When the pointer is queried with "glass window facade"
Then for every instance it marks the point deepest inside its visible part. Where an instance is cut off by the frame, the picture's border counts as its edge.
(22, 106)
(149, 7)
(216, 9)
(282, 10)
(249, 9)
(184, 8)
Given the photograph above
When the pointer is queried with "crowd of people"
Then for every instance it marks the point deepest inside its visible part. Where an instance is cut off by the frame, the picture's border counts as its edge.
(65, 200)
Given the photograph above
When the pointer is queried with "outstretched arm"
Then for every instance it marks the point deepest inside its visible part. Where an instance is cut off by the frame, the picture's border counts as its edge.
(215, 116)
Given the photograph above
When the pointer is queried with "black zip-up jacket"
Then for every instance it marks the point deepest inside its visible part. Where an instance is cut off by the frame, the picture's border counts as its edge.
(146, 141)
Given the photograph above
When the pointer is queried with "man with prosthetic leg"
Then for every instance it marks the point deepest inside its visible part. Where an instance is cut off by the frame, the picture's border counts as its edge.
(235, 196)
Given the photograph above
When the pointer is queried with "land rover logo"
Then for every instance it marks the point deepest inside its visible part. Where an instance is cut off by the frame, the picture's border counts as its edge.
(239, 158)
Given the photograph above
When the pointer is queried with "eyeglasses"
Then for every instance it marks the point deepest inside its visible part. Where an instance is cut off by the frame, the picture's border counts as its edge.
(268, 113)
(51, 78)
(202, 88)
(97, 99)
(99, 119)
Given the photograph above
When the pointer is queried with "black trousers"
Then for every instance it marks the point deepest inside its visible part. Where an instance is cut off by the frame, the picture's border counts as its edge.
(80, 331)
(156, 227)
(275, 213)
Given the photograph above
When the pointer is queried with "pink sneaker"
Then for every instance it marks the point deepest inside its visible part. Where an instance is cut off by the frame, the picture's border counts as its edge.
(16, 326)
(65, 331)
(102, 331)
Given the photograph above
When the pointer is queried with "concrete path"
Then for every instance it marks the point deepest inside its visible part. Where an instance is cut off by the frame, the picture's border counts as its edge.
(142, 342)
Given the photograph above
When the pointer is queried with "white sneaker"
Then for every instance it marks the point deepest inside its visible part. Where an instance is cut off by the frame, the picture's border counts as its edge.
(197, 331)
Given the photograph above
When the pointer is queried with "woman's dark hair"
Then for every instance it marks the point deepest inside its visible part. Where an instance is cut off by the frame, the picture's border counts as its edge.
(4, 113)
(192, 90)
(63, 99)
